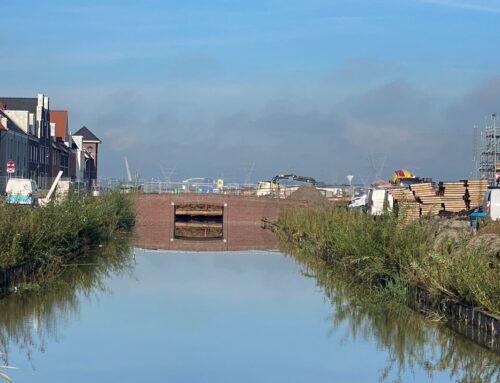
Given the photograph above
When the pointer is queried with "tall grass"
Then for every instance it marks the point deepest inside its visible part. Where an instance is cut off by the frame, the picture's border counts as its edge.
(47, 234)
(386, 254)
(366, 311)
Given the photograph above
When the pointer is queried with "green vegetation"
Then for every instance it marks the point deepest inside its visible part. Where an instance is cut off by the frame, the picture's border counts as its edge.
(49, 235)
(56, 303)
(385, 254)
(364, 311)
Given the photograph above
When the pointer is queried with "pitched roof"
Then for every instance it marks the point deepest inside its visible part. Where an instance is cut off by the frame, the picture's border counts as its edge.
(20, 103)
(60, 118)
(87, 135)
(11, 125)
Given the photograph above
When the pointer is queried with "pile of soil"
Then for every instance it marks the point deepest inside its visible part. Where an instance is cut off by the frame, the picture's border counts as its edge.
(490, 228)
(453, 231)
(309, 194)
(490, 242)
(489, 237)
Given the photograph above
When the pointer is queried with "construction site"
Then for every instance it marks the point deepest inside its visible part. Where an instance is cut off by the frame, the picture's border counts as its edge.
(489, 155)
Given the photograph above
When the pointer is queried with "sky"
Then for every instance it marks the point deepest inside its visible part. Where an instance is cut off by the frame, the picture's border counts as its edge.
(247, 90)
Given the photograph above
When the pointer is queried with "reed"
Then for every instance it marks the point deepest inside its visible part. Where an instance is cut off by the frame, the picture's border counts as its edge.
(386, 254)
(49, 234)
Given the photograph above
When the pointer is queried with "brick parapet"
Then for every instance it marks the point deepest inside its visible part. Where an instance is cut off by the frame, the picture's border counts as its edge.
(242, 221)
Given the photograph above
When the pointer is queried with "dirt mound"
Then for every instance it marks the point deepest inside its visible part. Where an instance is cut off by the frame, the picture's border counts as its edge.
(310, 194)
(453, 231)
(448, 231)
(491, 228)
(381, 183)
(488, 236)
(490, 242)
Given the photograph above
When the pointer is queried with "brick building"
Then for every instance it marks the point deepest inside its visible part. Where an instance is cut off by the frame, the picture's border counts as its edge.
(90, 144)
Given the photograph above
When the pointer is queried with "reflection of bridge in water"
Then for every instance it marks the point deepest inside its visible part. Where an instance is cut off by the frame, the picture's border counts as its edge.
(206, 222)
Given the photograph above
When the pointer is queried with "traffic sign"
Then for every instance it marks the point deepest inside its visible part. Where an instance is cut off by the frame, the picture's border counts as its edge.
(11, 167)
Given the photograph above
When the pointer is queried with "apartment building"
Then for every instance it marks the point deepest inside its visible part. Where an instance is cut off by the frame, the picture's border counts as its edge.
(41, 144)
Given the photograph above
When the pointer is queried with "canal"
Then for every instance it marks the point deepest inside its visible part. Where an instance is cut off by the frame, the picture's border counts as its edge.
(132, 315)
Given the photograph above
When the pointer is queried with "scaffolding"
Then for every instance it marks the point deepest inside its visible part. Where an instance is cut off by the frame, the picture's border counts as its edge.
(489, 166)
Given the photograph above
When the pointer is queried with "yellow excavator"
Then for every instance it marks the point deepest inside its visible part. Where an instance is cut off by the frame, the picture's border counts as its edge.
(403, 177)
(270, 188)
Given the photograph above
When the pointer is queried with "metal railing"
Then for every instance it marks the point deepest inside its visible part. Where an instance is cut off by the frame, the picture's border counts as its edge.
(162, 187)
(172, 187)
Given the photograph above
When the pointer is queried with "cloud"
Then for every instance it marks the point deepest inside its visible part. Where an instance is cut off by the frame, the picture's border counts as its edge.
(478, 104)
(215, 128)
(392, 102)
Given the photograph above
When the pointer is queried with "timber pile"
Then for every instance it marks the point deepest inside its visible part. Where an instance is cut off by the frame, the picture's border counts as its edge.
(475, 192)
(453, 196)
(407, 205)
(430, 202)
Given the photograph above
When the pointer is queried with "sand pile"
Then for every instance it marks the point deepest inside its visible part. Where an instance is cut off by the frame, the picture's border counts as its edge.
(309, 194)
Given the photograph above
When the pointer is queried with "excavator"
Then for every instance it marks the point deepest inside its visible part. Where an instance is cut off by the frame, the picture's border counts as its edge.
(270, 188)
(404, 177)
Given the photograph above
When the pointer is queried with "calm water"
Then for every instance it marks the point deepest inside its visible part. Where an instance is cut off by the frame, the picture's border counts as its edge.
(219, 317)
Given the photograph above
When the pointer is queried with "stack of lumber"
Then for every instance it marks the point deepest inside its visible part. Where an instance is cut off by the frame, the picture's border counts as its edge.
(475, 192)
(408, 206)
(430, 202)
(453, 196)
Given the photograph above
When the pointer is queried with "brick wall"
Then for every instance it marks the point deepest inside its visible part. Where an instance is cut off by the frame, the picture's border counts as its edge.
(242, 221)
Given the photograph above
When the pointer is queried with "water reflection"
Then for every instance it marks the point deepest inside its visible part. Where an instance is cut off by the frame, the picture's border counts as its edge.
(238, 237)
(411, 342)
(226, 317)
(33, 318)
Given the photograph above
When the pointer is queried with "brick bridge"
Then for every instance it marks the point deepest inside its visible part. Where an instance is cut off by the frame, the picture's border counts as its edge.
(205, 222)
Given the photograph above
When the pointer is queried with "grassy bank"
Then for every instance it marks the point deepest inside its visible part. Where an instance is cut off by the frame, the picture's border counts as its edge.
(49, 234)
(360, 310)
(385, 255)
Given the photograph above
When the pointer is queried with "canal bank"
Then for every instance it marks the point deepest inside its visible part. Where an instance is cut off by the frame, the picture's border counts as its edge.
(36, 242)
(389, 258)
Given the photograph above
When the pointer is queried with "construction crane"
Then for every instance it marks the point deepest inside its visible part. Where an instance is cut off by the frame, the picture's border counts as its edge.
(129, 175)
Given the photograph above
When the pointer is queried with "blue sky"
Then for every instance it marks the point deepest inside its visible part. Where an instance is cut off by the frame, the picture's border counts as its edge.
(320, 88)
